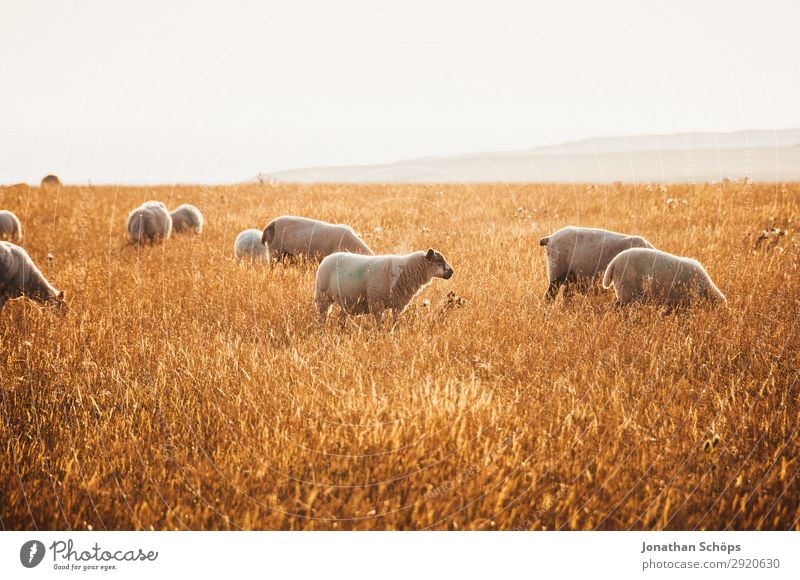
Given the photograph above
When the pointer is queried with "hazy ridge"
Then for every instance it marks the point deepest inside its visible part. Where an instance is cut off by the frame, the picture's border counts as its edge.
(763, 155)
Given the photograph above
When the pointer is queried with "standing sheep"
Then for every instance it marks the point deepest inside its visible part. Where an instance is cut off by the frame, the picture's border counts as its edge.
(187, 218)
(19, 277)
(310, 240)
(10, 228)
(640, 275)
(248, 246)
(371, 284)
(578, 256)
(150, 222)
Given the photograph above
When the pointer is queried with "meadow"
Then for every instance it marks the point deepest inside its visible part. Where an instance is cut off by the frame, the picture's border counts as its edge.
(182, 390)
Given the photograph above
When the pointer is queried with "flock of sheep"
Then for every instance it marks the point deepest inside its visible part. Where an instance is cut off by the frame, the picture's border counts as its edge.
(152, 221)
(577, 257)
(360, 282)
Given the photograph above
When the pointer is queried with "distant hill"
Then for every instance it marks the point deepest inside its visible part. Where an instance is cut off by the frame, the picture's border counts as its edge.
(691, 157)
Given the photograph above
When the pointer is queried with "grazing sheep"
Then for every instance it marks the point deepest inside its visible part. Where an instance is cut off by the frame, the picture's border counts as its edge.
(50, 181)
(150, 222)
(371, 284)
(187, 218)
(641, 275)
(248, 246)
(311, 240)
(10, 228)
(19, 277)
(578, 256)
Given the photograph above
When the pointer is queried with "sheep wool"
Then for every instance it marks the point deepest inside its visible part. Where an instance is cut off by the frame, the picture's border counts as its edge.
(248, 246)
(150, 222)
(20, 277)
(50, 181)
(372, 284)
(187, 219)
(292, 237)
(577, 257)
(645, 275)
(10, 227)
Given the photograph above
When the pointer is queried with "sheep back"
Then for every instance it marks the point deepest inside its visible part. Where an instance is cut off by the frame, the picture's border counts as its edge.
(309, 239)
(19, 276)
(187, 218)
(10, 227)
(150, 222)
(248, 245)
(643, 274)
(584, 253)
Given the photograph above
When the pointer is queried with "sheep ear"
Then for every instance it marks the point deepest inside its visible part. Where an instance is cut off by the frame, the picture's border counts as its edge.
(430, 254)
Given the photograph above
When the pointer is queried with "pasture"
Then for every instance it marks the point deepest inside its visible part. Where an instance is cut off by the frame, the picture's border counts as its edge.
(185, 391)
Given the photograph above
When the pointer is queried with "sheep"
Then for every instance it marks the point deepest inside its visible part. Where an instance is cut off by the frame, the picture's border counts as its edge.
(578, 256)
(150, 222)
(19, 277)
(371, 284)
(187, 218)
(50, 180)
(10, 228)
(292, 237)
(248, 246)
(643, 274)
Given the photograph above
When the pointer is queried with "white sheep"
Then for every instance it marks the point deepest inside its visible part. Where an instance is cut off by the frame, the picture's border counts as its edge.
(292, 237)
(187, 218)
(150, 222)
(371, 284)
(248, 246)
(19, 277)
(577, 257)
(647, 275)
(10, 228)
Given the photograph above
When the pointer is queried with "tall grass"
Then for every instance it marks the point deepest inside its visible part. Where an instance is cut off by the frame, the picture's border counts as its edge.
(184, 391)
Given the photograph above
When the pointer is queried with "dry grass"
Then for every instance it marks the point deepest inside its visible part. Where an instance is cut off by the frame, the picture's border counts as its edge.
(183, 391)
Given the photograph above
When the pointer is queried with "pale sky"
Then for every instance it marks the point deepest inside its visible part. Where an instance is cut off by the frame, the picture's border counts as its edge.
(186, 91)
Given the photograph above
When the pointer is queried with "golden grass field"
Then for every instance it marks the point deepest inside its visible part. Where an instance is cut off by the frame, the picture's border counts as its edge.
(184, 391)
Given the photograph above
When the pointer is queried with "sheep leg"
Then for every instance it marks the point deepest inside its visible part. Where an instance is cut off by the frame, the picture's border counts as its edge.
(377, 312)
(395, 319)
(323, 307)
(323, 315)
(3, 298)
(552, 290)
(568, 289)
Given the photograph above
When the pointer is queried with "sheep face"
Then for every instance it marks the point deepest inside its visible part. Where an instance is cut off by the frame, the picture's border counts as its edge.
(437, 265)
(58, 302)
(50, 298)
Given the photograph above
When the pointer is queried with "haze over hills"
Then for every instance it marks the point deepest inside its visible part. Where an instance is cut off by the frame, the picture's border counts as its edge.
(762, 155)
